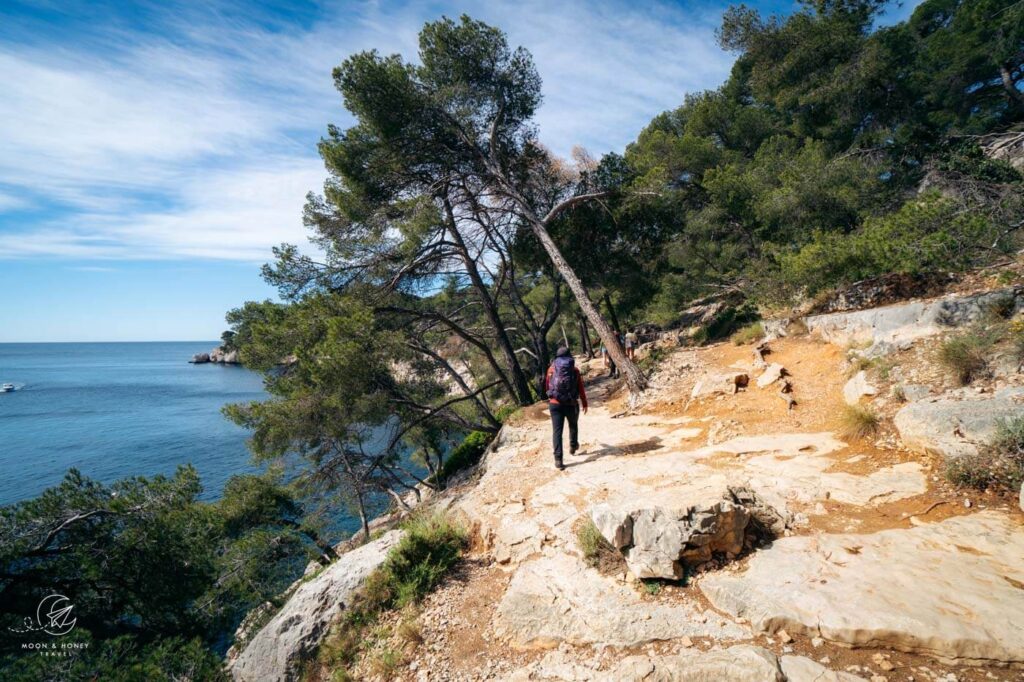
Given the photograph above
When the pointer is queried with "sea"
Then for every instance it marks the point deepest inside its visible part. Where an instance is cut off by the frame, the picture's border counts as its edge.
(114, 410)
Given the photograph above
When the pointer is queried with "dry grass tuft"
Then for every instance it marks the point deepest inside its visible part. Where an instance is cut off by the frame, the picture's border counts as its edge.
(859, 422)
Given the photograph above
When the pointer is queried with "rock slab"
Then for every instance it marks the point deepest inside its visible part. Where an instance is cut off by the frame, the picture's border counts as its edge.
(953, 427)
(901, 322)
(275, 652)
(953, 589)
(726, 383)
(557, 599)
(802, 669)
(741, 663)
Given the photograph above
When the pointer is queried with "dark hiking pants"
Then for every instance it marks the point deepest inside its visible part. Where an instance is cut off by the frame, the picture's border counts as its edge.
(559, 414)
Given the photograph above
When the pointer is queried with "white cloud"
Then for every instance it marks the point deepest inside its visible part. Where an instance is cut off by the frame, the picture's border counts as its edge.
(201, 143)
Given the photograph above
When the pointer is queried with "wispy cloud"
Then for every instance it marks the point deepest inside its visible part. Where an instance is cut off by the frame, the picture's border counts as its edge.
(197, 140)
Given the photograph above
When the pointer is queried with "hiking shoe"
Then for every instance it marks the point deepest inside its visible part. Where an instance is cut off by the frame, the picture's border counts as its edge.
(559, 465)
(573, 449)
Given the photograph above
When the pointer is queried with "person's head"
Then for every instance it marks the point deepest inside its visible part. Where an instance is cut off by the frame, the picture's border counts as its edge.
(562, 352)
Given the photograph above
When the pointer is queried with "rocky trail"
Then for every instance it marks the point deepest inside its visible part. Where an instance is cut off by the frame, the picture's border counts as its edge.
(756, 541)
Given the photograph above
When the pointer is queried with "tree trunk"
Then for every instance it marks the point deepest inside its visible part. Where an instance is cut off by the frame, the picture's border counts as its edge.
(362, 515)
(585, 335)
(611, 312)
(522, 387)
(1010, 86)
(635, 379)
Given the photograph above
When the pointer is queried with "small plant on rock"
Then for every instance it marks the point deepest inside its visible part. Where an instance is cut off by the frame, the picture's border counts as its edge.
(998, 464)
(859, 422)
(652, 587)
(597, 551)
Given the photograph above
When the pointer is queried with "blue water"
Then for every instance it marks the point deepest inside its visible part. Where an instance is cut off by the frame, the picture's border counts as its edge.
(115, 410)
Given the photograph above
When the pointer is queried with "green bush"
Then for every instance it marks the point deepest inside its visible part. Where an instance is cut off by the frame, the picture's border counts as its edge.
(999, 464)
(597, 551)
(749, 334)
(465, 454)
(924, 235)
(432, 545)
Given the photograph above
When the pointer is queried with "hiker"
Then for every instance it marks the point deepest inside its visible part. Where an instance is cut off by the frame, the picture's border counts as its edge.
(566, 395)
(609, 364)
(631, 343)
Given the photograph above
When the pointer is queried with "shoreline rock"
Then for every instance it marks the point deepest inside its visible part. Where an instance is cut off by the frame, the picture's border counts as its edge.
(217, 356)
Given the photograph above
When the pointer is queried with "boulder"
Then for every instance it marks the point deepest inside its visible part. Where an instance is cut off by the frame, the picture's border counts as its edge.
(200, 358)
(950, 589)
(771, 374)
(231, 358)
(615, 525)
(659, 542)
(725, 383)
(954, 427)
(275, 653)
(858, 387)
(556, 599)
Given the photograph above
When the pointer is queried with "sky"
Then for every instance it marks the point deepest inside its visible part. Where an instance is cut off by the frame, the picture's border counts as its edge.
(152, 153)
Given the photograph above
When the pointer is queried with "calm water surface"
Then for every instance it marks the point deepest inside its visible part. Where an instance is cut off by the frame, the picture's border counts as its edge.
(117, 409)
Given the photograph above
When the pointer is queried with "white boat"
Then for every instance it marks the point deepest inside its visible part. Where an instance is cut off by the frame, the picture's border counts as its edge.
(6, 388)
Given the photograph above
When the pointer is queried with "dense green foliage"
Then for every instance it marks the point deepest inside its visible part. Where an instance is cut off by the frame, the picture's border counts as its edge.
(802, 171)
(156, 578)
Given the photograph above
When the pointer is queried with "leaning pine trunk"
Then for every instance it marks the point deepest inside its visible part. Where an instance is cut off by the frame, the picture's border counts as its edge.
(635, 379)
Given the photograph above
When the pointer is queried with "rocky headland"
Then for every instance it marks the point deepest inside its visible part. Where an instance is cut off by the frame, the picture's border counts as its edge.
(218, 355)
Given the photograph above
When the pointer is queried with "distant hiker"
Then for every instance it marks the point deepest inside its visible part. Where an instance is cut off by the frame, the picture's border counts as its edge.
(609, 364)
(631, 344)
(566, 395)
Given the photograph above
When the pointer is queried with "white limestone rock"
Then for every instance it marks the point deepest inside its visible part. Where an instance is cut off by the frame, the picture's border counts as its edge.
(771, 374)
(275, 652)
(955, 427)
(556, 599)
(858, 387)
(724, 383)
(951, 589)
(802, 669)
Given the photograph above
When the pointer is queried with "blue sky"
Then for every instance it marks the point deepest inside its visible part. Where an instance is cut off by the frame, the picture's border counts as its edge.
(151, 153)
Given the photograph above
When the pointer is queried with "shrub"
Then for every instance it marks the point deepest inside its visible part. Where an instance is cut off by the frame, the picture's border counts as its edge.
(1000, 309)
(964, 356)
(859, 422)
(652, 587)
(597, 551)
(926, 234)
(465, 454)
(749, 334)
(998, 464)
(432, 545)
(385, 662)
